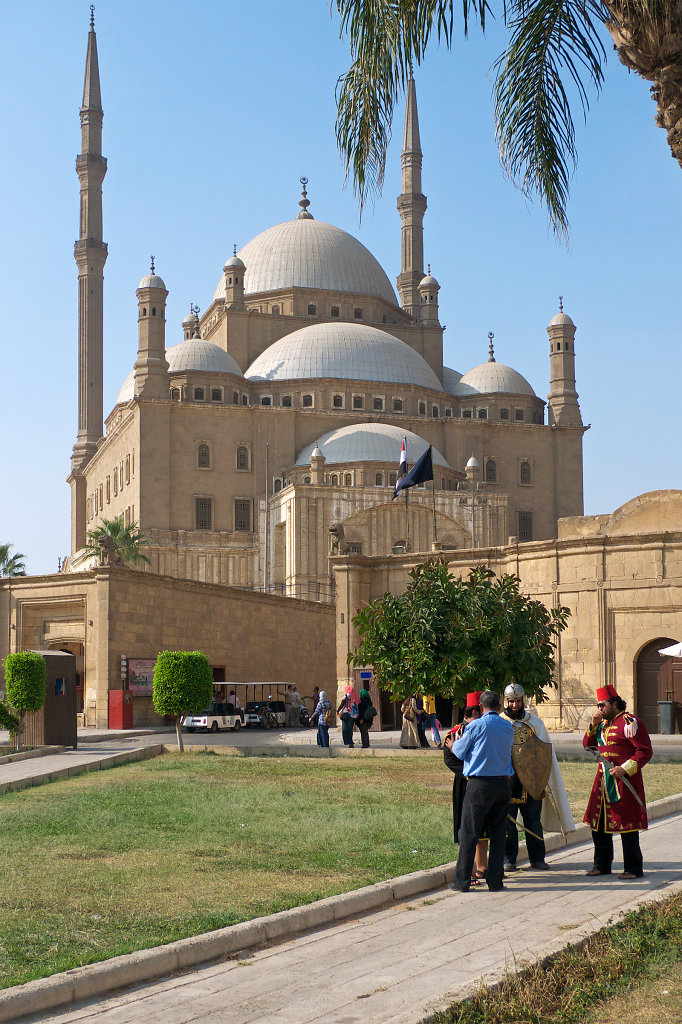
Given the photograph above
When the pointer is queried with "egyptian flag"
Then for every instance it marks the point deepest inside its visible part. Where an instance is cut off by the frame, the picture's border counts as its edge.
(419, 474)
(402, 466)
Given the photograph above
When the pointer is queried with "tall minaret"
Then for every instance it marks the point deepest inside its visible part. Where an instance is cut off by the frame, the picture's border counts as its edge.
(412, 206)
(90, 253)
(562, 407)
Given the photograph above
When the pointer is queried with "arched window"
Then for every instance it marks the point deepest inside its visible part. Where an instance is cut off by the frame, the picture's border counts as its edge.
(482, 414)
(378, 405)
(358, 402)
(422, 408)
(306, 479)
(144, 311)
(153, 310)
(397, 405)
(265, 400)
(525, 474)
(335, 311)
(379, 480)
(203, 456)
(216, 394)
(286, 401)
(312, 309)
(278, 485)
(275, 310)
(245, 399)
(518, 415)
(348, 480)
(235, 398)
(338, 401)
(435, 412)
(504, 414)
(335, 479)
(307, 401)
(242, 457)
(392, 479)
(198, 394)
(491, 472)
(175, 394)
(357, 313)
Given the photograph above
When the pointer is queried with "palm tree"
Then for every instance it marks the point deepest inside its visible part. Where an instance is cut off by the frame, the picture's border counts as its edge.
(11, 565)
(126, 540)
(552, 44)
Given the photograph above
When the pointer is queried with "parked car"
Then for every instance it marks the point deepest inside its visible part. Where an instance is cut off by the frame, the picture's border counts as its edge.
(220, 715)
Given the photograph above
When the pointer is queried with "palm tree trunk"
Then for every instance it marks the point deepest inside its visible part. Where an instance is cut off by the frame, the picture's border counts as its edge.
(648, 39)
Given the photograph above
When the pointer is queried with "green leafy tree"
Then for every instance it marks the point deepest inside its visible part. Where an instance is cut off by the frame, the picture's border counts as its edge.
(9, 721)
(25, 675)
(127, 541)
(183, 685)
(11, 564)
(554, 49)
(453, 636)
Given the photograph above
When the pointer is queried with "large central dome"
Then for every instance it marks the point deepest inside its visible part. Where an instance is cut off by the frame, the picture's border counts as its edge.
(342, 351)
(307, 253)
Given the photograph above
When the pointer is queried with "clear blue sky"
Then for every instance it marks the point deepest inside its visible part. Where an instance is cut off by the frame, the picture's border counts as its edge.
(212, 112)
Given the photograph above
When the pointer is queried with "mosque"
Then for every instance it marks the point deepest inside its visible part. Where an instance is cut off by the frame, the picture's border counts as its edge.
(279, 413)
(257, 448)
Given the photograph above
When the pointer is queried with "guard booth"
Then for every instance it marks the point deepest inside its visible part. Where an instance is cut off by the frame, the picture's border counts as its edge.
(55, 722)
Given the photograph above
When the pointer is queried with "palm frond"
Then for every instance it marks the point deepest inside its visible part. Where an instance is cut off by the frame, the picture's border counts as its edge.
(386, 38)
(553, 43)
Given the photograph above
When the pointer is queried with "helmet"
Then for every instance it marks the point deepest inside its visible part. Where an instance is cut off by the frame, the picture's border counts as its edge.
(514, 692)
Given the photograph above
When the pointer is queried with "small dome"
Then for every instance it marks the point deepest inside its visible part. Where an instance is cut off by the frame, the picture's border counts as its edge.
(234, 261)
(127, 392)
(152, 281)
(189, 320)
(561, 320)
(451, 379)
(493, 378)
(472, 463)
(343, 351)
(308, 253)
(197, 354)
(316, 453)
(429, 282)
(369, 442)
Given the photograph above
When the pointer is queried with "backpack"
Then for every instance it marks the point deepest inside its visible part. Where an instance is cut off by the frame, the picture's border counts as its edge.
(327, 716)
(369, 714)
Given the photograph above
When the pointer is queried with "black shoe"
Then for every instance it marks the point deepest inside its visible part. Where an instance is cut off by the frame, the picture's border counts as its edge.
(539, 865)
(496, 888)
(510, 867)
(458, 888)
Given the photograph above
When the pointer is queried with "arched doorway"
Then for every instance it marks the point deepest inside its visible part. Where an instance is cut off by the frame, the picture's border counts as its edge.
(657, 679)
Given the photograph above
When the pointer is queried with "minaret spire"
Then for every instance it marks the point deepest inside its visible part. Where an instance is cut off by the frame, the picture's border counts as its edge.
(411, 206)
(90, 253)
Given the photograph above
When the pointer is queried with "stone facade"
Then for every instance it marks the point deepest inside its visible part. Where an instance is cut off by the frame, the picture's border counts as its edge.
(112, 612)
(620, 575)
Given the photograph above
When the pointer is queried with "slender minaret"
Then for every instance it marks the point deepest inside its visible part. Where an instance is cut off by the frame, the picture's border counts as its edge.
(411, 206)
(90, 253)
(562, 408)
(151, 368)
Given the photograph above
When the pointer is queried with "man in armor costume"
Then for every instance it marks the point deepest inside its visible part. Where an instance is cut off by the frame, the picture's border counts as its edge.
(540, 793)
(617, 803)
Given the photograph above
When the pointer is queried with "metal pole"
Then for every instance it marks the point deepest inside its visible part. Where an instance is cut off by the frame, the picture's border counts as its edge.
(267, 518)
(407, 521)
(433, 495)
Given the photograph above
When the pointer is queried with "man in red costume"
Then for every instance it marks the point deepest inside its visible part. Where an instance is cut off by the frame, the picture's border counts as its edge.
(614, 806)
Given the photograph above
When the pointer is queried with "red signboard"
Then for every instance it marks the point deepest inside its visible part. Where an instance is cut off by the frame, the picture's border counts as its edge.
(141, 676)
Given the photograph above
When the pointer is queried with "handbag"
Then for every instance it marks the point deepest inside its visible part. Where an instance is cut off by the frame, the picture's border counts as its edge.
(409, 713)
(344, 716)
(369, 715)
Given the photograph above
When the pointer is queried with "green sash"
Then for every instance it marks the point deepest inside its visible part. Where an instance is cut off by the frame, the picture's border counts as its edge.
(610, 784)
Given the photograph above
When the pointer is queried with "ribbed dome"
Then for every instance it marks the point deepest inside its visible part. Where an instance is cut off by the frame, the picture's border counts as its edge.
(310, 254)
(491, 378)
(451, 379)
(369, 442)
(560, 320)
(193, 354)
(342, 351)
(152, 281)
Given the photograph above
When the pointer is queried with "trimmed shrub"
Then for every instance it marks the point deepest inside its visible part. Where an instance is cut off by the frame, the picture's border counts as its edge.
(25, 675)
(183, 685)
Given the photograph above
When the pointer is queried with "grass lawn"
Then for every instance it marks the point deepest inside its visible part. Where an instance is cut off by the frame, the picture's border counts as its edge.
(119, 860)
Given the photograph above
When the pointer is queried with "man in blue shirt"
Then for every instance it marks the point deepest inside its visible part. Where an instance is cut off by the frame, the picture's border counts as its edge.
(485, 748)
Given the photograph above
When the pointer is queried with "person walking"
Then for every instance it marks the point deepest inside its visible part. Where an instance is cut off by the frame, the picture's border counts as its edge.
(472, 712)
(421, 722)
(485, 749)
(295, 707)
(624, 747)
(409, 737)
(364, 725)
(553, 812)
(323, 711)
(348, 713)
(431, 720)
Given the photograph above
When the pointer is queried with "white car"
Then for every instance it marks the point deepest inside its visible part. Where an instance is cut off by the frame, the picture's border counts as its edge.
(218, 716)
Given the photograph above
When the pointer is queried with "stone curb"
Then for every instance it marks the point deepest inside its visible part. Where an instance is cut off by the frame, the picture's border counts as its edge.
(149, 964)
(27, 755)
(110, 761)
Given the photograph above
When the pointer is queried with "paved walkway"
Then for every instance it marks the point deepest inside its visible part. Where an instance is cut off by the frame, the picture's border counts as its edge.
(399, 964)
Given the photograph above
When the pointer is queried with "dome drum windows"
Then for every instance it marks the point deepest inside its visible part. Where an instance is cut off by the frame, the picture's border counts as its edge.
(504, 414)
(482, 414)
(348, 480)
(518, 415)
(338, 402)
(378, 404)
(358, 401)
(357, 313)
(216, 394)
(422, 408)
(235, 398)
(287, 401)
(307, 401)
(379, 480)
(435, 412)
(335, 311)
(312, 309)
(198, 394)
(266, 399)
(398, 405)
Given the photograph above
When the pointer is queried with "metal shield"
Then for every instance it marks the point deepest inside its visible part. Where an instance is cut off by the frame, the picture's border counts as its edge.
(532, 760)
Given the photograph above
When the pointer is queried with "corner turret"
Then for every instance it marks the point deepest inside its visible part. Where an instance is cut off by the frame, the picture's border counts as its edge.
(151, 368)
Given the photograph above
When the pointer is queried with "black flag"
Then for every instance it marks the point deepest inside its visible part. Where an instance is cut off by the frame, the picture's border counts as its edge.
(419, 474)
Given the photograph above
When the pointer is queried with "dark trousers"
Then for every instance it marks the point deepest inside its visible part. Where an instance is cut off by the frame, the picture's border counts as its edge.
(485, 806)
(347, 726)
(364, 733)
(603, 850)
(530, 815)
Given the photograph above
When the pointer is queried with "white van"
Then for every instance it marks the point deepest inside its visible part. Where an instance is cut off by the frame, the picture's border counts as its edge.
(220, 715)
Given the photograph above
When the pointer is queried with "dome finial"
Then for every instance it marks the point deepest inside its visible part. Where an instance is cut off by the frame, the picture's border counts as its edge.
(152, 266)
(92, 17)
(194, 310)
(304, 202)
(234, 249)
(491, 353)
(561, 303)
(428, 268)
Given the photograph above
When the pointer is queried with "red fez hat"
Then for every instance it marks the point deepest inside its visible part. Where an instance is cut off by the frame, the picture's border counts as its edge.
(474, 699)
(607, 692)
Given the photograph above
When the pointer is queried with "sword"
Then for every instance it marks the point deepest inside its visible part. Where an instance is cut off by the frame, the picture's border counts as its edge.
(524, 828)
(624, 778)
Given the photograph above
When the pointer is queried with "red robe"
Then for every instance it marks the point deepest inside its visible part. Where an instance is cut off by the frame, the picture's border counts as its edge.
(625, 741)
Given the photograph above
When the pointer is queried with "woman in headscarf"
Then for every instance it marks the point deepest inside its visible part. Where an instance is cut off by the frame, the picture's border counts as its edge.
(363, 726)
(323, 710)
(348, 712)
(409, 736)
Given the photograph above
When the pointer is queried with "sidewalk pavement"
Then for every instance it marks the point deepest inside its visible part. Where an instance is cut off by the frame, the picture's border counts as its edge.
(392, 966)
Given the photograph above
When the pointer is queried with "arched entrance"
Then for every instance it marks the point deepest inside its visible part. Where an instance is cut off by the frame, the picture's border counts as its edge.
(657, 679)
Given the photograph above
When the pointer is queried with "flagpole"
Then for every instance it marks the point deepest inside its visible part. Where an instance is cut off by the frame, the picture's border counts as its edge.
(407, 521)
(433, 495)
